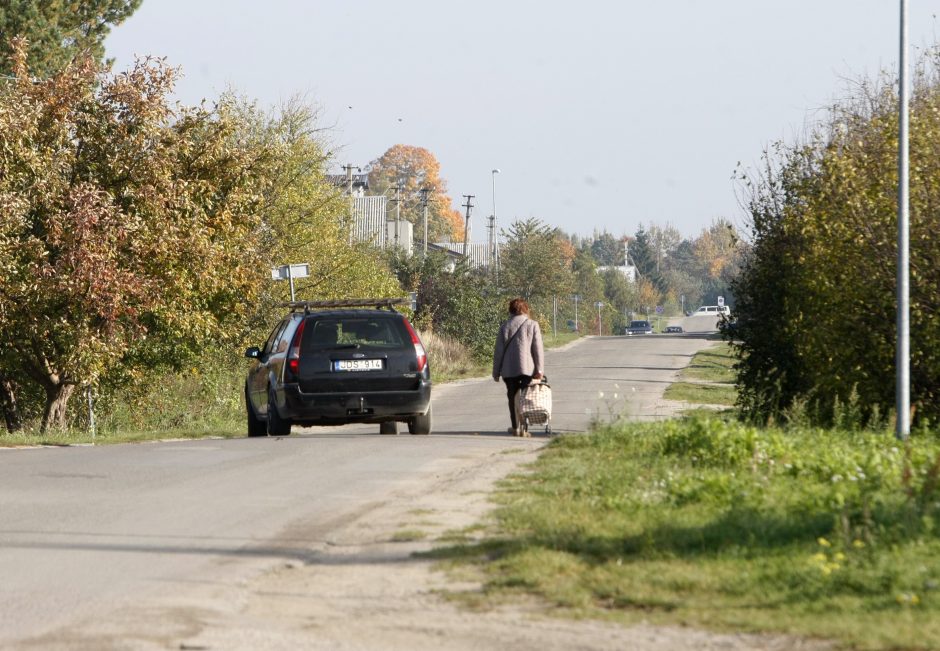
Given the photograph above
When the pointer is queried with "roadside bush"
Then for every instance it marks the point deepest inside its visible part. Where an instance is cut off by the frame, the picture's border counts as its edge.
(815, 304)
(204, 396)
(448, 357)
(461, 304)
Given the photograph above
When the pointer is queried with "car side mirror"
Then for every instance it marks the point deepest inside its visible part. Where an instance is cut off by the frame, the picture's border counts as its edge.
(254, 352)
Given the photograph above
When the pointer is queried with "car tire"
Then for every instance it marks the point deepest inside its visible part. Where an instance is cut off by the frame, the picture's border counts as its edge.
(256, 426)
(277, 426)
(388, 427)
(421, 424)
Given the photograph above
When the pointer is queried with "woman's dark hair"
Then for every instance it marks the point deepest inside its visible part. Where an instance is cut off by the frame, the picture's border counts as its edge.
(518, 306)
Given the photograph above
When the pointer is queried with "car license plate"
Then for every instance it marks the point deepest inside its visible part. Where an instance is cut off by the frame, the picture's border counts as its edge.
(357, 365)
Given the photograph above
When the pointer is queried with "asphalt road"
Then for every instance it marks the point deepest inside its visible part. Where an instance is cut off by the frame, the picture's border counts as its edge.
(87, 530)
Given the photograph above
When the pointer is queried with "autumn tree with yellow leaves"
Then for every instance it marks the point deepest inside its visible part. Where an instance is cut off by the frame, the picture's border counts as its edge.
(416, 168)
(135, 232)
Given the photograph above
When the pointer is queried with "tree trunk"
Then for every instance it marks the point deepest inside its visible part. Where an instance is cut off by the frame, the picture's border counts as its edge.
(57, 402)
(11, 413)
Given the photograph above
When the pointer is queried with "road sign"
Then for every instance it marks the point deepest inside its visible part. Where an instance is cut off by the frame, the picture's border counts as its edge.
(598, 305)
(721, 301)
(290, 271)
(659, 309)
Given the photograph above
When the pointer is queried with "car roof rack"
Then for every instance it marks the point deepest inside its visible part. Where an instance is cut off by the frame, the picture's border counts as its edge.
(307, 306)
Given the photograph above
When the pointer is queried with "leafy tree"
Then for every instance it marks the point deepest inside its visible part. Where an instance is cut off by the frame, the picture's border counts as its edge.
(57, 31)
(664, 240)
(302, 214)
(607, 249)
(107, 196)
(136, 233)
(417, 168)
(621, 295)
(647, 296)
(459, 303)
(718, 253)
(536, 261)
(645, 257)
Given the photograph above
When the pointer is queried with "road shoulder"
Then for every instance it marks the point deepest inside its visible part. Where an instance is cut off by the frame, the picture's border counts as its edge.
(366, 590)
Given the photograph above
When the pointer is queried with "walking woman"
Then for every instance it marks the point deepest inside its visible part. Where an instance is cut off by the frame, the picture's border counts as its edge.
(519, 356)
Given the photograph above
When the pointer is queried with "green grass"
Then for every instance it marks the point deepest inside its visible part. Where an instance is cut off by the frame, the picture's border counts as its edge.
(469, 371)
(704, 394)
(708, 523)
(712, 365)
(712, 377)
(32, 437)
(562, 338)
(408, 535)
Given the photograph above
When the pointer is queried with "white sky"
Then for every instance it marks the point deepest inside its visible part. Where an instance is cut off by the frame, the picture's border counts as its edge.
(600, 115)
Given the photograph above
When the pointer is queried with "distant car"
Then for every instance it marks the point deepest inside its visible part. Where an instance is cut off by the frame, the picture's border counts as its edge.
(712, 310)
(639, 328)
(673, 329)
(338, 362)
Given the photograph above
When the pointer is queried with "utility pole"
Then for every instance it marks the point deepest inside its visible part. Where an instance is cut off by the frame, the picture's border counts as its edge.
(466, 228)
(424, 202)
(398, 188)
(348, 168)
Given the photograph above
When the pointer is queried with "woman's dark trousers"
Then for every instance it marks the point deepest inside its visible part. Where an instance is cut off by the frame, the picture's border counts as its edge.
(513, 384)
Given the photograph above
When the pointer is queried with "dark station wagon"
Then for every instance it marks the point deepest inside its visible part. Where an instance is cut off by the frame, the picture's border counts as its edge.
(639, 328)
(339, 362)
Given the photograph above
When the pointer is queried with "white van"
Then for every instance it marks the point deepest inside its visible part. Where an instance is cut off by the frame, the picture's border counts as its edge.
(712, 310)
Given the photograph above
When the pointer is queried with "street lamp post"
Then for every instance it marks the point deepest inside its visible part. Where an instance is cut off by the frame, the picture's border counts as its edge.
(554, 317)
(495, 229)
(902, 361)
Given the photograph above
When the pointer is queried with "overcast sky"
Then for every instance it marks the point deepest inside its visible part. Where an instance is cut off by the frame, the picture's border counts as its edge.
(600, 115)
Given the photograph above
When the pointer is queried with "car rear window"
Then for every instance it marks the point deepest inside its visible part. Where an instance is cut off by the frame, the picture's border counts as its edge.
(361, 332)
(639, 324)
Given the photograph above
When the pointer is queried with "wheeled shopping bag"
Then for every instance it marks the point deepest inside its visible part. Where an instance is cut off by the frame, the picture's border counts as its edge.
(534, 406)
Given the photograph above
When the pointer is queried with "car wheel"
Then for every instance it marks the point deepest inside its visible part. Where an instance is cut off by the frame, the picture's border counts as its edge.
(256, 426)
(277, 426)
(389, 427)
(421, 424)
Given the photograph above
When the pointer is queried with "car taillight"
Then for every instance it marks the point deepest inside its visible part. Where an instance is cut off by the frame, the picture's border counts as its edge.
(293, 355)
(419, 347)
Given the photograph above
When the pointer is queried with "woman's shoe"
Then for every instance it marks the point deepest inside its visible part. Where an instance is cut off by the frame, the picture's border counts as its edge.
(514, 431)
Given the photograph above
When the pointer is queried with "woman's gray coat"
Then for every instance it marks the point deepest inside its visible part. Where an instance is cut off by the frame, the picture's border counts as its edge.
(525, 355)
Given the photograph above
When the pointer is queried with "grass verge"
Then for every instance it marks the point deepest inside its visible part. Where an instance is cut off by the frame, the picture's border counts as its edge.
(713, 364)
(703, 394)
(562, 338)
(818, 533)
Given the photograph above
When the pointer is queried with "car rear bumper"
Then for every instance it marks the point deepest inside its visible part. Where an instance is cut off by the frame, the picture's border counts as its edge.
(353, 407)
